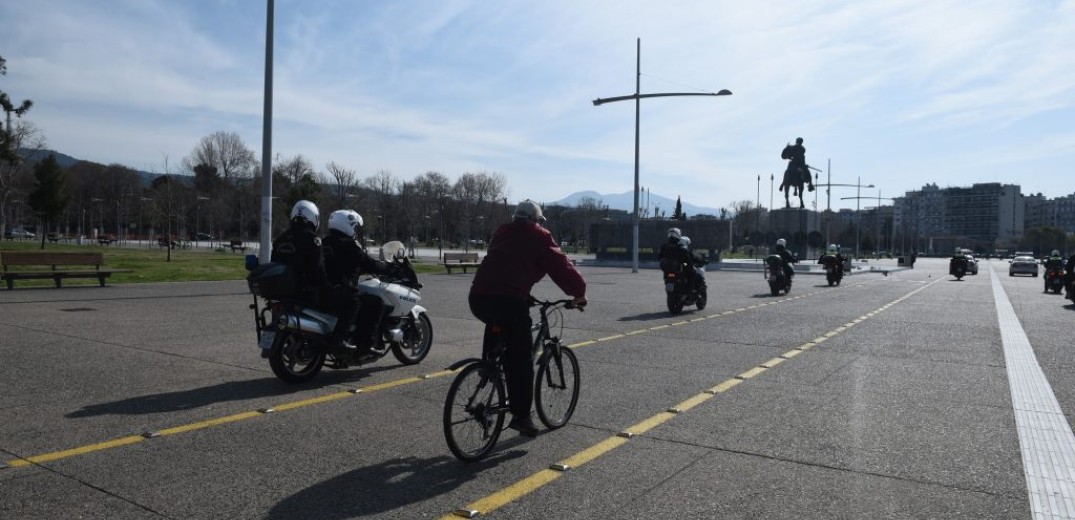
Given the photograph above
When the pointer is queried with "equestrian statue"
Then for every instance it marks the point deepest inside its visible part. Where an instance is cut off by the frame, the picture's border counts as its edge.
(797, 173)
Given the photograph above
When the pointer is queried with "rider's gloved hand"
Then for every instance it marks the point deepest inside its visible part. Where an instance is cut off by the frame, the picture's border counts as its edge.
(578, 301)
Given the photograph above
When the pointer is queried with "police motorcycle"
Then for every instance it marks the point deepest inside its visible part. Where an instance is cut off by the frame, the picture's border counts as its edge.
(775, 275)
(1054, 280)
(834, 272)
(681, 287)
(957, 267)
(294, 335)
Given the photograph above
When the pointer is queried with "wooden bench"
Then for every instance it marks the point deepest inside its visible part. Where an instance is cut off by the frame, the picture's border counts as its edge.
(53, 260)
(460, 260)
(235, 245)
(105, 240)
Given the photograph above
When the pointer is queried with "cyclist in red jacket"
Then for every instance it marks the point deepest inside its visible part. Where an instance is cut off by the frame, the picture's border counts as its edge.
(520, 254)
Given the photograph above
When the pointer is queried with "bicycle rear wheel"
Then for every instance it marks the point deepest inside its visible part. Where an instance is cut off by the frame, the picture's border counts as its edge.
(556, 389)
(474, 412)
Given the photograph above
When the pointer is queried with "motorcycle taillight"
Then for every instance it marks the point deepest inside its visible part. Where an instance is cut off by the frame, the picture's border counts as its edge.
(671, 275)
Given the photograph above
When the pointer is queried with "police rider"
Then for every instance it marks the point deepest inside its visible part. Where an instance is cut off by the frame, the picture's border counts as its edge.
(1054, 263)
(300, 248)
(695, 261)
(786, 258)
(345, 261)
(832, 254)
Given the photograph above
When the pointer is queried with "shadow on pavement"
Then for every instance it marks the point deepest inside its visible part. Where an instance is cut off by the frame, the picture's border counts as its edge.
(383, 487)
(230, 391)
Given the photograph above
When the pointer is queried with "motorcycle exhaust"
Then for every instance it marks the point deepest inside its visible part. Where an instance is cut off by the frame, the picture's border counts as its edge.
(309, 321)
(395, 335)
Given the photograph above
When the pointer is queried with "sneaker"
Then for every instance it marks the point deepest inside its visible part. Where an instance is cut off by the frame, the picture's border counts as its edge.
(524, 426)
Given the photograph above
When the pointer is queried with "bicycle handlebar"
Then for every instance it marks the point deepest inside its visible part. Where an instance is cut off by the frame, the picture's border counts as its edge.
(546, 304)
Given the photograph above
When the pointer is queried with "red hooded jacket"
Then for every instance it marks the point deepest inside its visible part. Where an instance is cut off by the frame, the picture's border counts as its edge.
(520, 254)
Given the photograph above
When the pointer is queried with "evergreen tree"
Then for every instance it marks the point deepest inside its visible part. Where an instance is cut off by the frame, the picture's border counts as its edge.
(49, 198)
(678, 213)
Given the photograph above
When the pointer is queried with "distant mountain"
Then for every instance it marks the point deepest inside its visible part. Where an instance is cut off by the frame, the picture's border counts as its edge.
(625, 202)
(66, 161)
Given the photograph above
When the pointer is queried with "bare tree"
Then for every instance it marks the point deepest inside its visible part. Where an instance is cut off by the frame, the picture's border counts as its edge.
(346, 180)
(15, 178)
(225, 151)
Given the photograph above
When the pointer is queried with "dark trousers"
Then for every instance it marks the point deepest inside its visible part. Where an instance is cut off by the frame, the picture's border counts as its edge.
(344, 301)
(512, 316)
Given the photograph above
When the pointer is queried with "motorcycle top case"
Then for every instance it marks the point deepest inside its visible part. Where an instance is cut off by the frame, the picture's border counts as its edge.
(273, 280)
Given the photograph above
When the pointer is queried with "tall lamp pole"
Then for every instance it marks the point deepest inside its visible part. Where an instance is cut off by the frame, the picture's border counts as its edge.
(637, 96)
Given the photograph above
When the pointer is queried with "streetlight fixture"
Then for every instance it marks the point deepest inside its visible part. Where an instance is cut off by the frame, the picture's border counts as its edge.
(858, 219)
(141, 208)
(637, 96)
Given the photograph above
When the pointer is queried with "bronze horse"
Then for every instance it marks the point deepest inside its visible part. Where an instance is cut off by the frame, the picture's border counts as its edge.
(795, 176)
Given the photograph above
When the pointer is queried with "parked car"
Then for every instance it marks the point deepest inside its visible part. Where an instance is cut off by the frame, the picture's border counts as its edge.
(972, 264)
(204, 237)
(18, 233)
(1023, 265)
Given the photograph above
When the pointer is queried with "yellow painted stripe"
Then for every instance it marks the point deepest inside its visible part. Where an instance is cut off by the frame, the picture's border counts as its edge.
(791, 353)
(212, 422)
(659, 327)
(594, 451)
(391, 384)
(751, 373)
(725, 313)
(606, 338)
(47, 457)
(725, 386)
(692, 402)
(773, 362)
(443, 373)
(633, 332)
(684, 322)
(650, 423)
(807, 346)
(317, 400)
(513, 492)
(583, 344)
(698, 319)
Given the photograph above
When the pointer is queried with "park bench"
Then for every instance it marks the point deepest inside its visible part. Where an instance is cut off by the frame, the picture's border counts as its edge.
(460, 260)
(106, 240)
(235, 245)
(54, 260)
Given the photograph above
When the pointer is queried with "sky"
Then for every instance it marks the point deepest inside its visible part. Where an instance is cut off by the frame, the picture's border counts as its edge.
(893, 93)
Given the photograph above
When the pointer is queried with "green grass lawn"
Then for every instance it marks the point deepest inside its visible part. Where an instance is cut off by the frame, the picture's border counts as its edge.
(152, 265)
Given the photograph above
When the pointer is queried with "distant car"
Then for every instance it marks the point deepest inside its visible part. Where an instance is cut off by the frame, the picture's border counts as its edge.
(1023, 265)
(204, 236)
(18, 233)
(972, 264)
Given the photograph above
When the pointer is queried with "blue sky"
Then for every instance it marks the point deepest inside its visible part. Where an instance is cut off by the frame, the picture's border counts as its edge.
(898, 93)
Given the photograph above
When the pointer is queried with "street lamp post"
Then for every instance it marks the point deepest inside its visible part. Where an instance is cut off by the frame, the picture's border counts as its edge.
(101, 212)
(828, 208)
(141, 208)
(858, 219)
(637, 97)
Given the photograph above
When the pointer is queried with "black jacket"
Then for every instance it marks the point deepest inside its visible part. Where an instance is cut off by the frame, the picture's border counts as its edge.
(300, 248)
(345, 260)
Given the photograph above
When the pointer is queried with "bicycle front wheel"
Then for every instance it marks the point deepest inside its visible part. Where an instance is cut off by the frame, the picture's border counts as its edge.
(556, 390)
(474, 412)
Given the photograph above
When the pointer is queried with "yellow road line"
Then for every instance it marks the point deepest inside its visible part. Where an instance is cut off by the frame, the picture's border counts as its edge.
(37, 459)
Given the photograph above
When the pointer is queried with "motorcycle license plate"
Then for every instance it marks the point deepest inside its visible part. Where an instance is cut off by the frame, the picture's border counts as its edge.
(267, 337)
(669, 287)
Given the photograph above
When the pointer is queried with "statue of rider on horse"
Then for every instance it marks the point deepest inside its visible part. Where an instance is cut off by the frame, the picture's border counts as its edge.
(797, 173)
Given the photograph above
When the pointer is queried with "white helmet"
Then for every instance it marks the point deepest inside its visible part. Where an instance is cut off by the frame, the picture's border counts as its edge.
(674, 233)
(307, 211)
(528, 210)
(685, 242)
(832, 249)
(346, 221)
(781, 242)
(1056, 252)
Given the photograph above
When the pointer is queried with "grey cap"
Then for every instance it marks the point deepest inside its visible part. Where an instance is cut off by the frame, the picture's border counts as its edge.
(528, 210)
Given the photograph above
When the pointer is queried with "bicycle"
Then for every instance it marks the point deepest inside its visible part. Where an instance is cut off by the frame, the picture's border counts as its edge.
(477, 399)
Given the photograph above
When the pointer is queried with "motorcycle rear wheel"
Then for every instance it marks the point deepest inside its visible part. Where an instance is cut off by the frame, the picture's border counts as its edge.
(293, 359)
(417, 338)
(675, 303)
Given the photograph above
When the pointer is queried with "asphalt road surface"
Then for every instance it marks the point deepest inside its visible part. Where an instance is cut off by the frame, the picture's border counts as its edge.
(890, 396)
